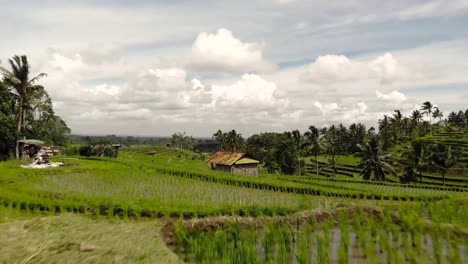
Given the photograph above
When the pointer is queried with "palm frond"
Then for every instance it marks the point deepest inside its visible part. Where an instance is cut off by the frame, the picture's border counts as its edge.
(39, 76)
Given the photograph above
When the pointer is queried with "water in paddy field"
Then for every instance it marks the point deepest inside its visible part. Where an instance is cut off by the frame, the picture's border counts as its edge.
(382, 247)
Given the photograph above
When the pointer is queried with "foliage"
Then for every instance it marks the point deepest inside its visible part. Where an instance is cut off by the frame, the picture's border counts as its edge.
(85, 150)
(72, 150)
(28, 96)
(229, 140)
(286, 154)
(375, 163)
(8, 132)
(108, 152)
(31, 106)
(180, 140)
(443, 157)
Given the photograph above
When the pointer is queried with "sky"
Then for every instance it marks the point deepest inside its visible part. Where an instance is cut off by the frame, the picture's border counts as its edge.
(153, 68)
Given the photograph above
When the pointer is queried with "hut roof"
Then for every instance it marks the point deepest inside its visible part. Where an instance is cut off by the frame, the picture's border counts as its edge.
(247, 161)
(32, 141)
(226, 157)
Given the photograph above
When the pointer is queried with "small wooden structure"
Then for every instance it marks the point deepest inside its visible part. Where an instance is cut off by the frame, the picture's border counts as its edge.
(234, 162)
(28, 148)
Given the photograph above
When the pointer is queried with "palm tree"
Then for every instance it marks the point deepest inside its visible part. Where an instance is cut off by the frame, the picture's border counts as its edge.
(330, 137)
(23, 89)
(313, 144)
(418, 157)
(437, 113)
(375, 164)
(443, 157)
(234, 141)
(426, 108)
(219, 137)
(416, 116)
(298, 140)
(396, 124)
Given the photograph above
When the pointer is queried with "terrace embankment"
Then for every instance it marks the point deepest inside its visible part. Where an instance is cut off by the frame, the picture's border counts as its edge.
(299, 219)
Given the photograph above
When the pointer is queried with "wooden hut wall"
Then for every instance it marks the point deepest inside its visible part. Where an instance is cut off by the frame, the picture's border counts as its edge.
(245, 169)
(224, 168)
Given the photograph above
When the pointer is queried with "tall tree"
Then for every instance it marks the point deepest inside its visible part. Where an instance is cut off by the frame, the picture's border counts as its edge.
(357, 134)
(25, 91)
(418, 156)
(437, 113)
(375, 163)
(331, 141)
(285, 154)
(443, 157)
(313, 144)
(426, 109)
(416, 116)
(298, 141)
(7, 123)
(396, 122)
(219, 138)
(231, 140)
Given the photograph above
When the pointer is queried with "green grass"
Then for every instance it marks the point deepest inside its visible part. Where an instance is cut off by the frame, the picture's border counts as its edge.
(57, 239)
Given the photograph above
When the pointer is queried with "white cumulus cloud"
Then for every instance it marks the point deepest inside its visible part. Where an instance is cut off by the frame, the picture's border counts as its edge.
(223, 52)
(393, 96)
(339, 68)
(251, 91)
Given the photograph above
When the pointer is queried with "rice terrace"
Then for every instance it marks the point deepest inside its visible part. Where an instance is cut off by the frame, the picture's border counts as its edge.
(276, 131)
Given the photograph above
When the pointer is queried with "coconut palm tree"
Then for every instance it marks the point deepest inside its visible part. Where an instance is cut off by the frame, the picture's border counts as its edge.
(24, 90)
(443, 157)
(418, 156)
(437, 113)
(374, 163)
(313, 144)
(298, 140)
(331, 142)
(395, 122)
(416, 116)
(220, 138)
(426, 109)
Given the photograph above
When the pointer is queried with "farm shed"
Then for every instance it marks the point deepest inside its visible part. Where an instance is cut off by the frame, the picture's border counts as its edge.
(28, 148)
(234, 162)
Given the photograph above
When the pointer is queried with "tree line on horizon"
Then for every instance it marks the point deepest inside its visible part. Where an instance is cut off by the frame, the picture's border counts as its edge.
(285, 152)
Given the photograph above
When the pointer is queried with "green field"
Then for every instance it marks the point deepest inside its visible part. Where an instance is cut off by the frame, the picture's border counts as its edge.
(91, 201)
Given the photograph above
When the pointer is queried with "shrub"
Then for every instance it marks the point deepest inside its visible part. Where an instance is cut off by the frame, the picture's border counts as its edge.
(108, 152)
(72, 150)
(97, 151)
(85, 150)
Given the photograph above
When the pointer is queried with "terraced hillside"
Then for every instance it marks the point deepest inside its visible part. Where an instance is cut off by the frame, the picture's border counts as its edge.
(171, 191)
(347, 166)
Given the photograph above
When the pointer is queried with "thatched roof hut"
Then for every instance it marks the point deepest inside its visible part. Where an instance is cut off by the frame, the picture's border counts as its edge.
(234, 162)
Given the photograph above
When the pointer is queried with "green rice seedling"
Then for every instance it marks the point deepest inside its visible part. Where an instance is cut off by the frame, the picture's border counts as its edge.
(220, 242)
(453, 249)
(27, 212)
(437, 246)
(303, 246)
(269, 241)
(322, 247)
(10, 209)
(345, 240)
(110, 212)
(286, 235)
(37, 210)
